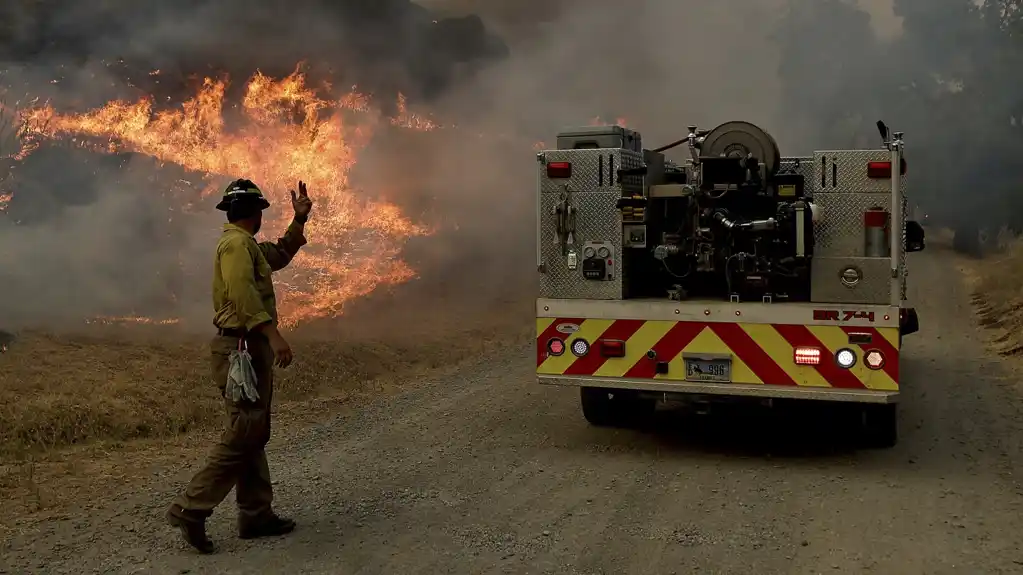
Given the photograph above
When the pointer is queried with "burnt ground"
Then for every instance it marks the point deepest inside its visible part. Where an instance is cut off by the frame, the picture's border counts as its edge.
(479, 470)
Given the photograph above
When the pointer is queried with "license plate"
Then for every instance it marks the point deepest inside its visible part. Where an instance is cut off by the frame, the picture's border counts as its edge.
(709, 370)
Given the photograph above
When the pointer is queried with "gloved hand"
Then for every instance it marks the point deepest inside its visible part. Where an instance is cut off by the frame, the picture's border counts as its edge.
(241, 378)
(301, 203)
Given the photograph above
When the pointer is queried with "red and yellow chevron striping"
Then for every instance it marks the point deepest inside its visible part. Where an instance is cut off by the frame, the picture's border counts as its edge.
(761, 353)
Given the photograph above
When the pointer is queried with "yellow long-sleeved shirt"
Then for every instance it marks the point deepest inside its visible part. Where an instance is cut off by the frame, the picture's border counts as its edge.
(243, 291)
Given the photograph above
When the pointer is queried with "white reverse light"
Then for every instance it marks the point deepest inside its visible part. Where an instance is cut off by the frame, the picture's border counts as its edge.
(845, 358)
(580, 347)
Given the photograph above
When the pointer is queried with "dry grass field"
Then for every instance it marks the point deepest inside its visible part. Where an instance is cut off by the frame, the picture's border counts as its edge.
(997, 285)
(82, 412)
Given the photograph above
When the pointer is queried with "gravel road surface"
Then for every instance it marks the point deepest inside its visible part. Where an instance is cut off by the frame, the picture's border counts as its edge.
(483, 471)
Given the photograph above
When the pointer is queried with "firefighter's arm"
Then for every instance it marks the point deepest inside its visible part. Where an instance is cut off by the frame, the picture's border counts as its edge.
(238, 268)
(280, 253)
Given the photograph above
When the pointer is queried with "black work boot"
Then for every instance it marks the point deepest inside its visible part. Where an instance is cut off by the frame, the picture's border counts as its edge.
(269, 526)
(193, 529)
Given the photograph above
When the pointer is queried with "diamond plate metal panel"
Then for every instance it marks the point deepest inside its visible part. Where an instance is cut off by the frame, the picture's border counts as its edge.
(839, 231)
(845, 171)
(842, 190)
(594, 190)
(826, 280)
(597, 220)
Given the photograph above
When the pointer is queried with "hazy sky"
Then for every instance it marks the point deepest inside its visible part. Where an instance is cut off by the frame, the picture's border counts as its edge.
(885, 21)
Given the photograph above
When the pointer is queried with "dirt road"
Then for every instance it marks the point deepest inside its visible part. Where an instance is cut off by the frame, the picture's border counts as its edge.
(484, 472)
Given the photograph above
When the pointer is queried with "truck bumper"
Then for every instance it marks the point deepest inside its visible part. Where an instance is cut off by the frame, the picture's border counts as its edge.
(725, 389)
(909, 322)
(723, 349)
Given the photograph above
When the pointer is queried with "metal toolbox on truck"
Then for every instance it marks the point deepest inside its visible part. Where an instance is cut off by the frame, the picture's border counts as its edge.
(590, 137)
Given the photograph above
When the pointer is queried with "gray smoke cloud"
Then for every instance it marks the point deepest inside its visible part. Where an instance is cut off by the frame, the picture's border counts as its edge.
(944, 71)
(88, 234)
(658, 64)
(817, 74)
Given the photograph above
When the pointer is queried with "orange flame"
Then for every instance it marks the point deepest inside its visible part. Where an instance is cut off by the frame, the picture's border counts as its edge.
(405, 119)
(131, 319)
(289, 133)
(598, 121)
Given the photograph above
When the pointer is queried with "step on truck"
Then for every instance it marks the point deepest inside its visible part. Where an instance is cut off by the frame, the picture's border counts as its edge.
(735, 273)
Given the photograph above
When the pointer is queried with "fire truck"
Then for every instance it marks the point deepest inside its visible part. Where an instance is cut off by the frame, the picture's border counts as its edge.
(736, 273)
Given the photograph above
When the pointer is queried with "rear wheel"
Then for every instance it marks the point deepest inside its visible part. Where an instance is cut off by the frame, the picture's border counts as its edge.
(881, 425)
(605, 407)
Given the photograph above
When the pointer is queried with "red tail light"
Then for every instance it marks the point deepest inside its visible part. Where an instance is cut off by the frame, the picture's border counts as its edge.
(612, 348)
(883, 170)
(559, 170)
(807, 356)
(555, 346)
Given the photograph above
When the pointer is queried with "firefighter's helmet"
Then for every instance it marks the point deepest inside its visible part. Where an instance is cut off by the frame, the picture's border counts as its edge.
(245, 192)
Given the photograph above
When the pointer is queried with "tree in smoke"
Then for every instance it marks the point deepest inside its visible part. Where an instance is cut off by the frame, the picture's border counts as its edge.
(817, 81)
(949, 81)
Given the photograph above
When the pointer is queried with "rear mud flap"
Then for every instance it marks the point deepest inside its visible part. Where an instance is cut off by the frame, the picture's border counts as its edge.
(908, 322)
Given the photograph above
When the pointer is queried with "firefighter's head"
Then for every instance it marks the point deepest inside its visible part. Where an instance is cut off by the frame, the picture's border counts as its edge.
(244, 203)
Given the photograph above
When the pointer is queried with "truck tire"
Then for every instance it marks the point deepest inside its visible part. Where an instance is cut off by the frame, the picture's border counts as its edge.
(881, 425)
(605, 407)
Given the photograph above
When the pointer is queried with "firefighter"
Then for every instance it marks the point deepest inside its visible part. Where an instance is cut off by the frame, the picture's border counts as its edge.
(246, 318)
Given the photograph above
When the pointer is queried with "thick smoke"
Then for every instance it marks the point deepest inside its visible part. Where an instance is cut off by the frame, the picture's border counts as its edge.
(817, 74)
(658, 64)
(947, 74)
(89, 234)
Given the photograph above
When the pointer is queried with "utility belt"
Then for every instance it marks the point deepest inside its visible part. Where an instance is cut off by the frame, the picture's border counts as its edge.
(237, 332)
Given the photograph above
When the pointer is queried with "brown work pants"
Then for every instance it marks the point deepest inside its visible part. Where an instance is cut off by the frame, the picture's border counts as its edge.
(239, 460)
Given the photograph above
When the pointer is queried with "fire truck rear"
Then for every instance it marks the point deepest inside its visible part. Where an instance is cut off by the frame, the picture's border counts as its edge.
(737, 272)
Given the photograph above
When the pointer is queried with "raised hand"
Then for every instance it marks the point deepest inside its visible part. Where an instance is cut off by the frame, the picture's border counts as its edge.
(301, 202)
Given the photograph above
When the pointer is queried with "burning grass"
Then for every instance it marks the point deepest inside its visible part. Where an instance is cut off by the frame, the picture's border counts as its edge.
(282, 131)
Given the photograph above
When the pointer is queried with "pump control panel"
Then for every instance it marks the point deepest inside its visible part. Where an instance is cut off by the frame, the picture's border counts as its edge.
(598, 263)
